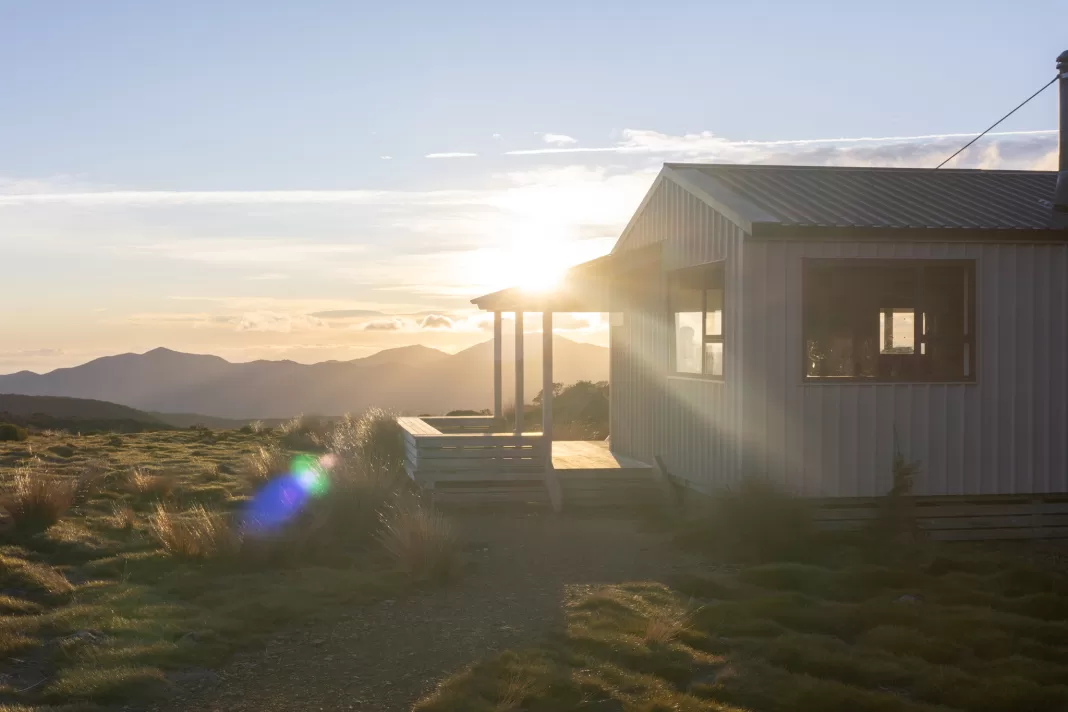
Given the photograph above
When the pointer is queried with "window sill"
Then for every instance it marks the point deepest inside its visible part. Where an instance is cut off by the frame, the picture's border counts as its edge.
(695, 377)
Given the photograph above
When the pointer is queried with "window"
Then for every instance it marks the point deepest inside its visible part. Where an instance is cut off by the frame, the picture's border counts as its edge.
(889, 320)
(696, 298)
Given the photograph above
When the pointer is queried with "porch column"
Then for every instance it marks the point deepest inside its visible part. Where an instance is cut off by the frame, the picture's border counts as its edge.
(547, 376)
(498, 410)
(552, 483)
(518, 373)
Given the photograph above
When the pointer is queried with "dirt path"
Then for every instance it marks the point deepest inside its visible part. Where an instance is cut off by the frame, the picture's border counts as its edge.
(387, 656)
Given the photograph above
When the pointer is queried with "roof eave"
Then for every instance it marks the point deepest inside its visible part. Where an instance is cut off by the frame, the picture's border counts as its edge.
(779, 231)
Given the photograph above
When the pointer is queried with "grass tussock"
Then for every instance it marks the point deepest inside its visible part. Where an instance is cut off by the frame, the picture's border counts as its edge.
(123, 516)
(37, 500)
(420, 540)
(373, 440)
(820, 623)
(196, 533)
(146, 484)
(665, 626)
(266, 463)
(304, 432)
(38, 580)
(128, 584)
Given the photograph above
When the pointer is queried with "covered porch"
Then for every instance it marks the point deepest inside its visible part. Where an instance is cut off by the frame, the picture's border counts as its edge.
(475, 460)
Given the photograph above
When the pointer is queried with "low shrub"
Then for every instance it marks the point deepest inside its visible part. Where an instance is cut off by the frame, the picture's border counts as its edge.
(10, 431)
(420, 539)
(37, 500)
(197, 533)
(756, 521)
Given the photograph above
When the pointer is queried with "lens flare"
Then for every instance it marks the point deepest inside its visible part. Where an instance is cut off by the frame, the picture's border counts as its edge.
(282, 499)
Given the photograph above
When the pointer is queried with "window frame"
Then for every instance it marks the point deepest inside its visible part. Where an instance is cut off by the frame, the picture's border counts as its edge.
(706, 270)
(971, 306)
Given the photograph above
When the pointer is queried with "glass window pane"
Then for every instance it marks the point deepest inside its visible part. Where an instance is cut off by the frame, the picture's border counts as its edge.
(714, 359)
(896, 331)
(714, 312)
(688, 342)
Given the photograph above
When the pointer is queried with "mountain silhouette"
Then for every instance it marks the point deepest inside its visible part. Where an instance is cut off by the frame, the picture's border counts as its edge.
(410, 379)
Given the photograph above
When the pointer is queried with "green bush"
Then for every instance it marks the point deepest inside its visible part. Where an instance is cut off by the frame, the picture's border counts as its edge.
(9, 431)
(756, 521)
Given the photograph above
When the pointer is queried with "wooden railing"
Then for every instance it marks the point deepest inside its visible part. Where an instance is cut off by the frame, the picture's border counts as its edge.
(462, 448)
(465, 423)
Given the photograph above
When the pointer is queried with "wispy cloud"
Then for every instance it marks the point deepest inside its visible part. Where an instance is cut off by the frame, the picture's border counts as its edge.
(436, 321)
(386, 158)
(278, 321)
(451, 154)
(708, 144)
(237, 197)
(345, 313)
(267, 277)
(243, 251)
(383, 325)
(558, 139)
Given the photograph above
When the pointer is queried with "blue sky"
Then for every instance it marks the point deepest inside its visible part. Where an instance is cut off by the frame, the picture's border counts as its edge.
(229, 177)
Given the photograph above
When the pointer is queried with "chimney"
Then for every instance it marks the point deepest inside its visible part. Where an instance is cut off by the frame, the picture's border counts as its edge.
(1060, 195)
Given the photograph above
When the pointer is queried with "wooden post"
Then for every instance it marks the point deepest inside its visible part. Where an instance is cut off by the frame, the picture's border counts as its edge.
(552, 483)
(498, 408)
(547, 375)
(519, 373)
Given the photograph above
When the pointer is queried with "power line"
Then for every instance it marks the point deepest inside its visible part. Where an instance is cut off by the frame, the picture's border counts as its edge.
(961, 149)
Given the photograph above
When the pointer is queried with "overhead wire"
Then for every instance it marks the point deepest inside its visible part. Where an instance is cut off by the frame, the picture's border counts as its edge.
(993, 125)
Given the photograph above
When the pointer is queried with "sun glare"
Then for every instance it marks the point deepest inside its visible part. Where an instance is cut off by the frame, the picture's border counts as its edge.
(534, 262)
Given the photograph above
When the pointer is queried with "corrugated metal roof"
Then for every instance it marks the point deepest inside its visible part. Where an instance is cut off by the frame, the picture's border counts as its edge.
(892, 198)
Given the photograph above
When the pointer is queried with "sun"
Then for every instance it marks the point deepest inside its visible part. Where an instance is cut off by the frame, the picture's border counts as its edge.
(540, 272)
(533, 258)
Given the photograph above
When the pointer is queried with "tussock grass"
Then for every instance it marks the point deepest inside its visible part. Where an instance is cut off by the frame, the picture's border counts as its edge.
(420, 540)
(123, 516)
(37, 499)
(303, 433)
(373, 440)
(665, 626)
(142, 482)
(783, 629)
(265, 463)
(36, 579)
(124, 588)
(197, 533)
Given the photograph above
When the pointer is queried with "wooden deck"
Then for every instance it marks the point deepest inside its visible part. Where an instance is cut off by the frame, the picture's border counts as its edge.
(463, 461)
(590, 455)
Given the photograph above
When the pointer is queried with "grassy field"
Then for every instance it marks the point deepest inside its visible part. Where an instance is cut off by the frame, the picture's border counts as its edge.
(147, 572)
(811, 624)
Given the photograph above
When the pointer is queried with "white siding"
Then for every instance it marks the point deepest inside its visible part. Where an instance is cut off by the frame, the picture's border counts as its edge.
(1005, 434)
(690, 423)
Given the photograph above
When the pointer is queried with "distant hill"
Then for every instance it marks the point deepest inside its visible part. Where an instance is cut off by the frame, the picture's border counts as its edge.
(77, 414)
(411, 379)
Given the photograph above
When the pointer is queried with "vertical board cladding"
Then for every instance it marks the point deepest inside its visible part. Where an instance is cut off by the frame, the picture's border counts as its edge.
(1005, 434)
(691, 423)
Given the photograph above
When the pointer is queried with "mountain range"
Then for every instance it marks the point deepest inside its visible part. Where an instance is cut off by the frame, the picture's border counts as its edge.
(410, 379)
